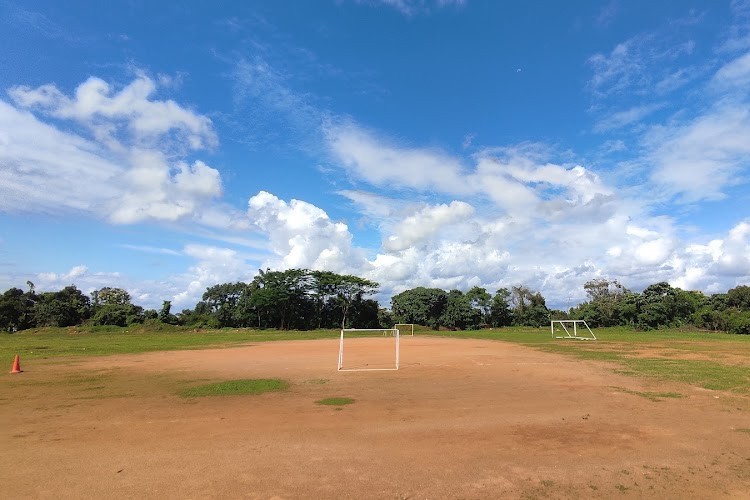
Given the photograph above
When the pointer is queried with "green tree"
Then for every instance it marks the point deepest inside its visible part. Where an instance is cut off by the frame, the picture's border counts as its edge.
(459, 313)
(605, 297)
(221, 302)
(282, 298)
(385, 318)
(16, 309)
(500, 310)
(112, 306)
(421, 306)
(109, 296)
(165, 316)
(739, 298)
(67, 307)
(350, 289)
(324, 289)
(656, 306)
(529, 308)
(481, 300)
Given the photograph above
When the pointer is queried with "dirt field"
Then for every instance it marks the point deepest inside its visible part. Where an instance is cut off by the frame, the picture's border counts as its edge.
(460, 419)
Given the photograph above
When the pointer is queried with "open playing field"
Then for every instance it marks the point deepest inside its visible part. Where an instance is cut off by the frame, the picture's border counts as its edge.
(462, 418)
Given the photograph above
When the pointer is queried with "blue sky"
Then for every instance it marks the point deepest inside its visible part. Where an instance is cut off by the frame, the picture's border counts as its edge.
(165, 148)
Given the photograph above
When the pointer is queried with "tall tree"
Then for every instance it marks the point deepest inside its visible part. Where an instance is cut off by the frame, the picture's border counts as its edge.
(16, 310)
(481, 300)
(67, 307)
(501, 313)
(109, 296)
(351, 288)
(458, 312)
(421, 306)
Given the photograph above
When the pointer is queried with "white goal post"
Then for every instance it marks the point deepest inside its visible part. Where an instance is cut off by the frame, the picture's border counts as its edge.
(570, 329)
(408, 328)
(356, 331)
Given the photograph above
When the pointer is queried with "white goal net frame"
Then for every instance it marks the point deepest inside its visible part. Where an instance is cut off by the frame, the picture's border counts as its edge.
(571, 329)
(409, 328)
(386, 331)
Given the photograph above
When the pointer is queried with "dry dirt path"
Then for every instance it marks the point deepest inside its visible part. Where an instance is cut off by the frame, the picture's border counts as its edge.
(461, 419)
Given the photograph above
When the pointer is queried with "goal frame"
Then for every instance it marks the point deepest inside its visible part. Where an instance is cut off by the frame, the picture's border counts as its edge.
(410, 325)
(396, 336)
(575, 330)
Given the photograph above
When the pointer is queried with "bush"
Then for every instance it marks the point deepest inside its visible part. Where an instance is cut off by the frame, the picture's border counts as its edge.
(739, 322)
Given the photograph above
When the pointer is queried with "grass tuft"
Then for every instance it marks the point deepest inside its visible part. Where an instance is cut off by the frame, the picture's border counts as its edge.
(335, 401)
(236, 387)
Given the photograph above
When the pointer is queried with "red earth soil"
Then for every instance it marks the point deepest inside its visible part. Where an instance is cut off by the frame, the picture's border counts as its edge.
(461, 418)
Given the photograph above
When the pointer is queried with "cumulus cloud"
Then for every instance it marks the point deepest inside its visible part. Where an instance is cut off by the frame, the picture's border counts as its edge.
(425, 223)
(302, 235)
(110, 154)
(214, 265)
(98, 106)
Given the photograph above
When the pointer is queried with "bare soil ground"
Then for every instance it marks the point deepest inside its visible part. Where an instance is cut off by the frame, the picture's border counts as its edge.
(461, 419)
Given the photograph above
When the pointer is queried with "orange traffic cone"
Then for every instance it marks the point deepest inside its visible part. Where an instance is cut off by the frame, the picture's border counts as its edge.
(16, 365)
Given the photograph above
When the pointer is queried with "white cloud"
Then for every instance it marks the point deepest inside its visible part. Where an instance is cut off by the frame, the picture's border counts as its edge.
(150, 249)
(104, 111)
(623, 118)
(74, 273)
(374, 205)
(515, 179)
(46, 169)
(738, 37)
(158, 192)
(426, 223)
(123, 166)
(642, 64)
(302, 235)
(383, 164)
(214, 265)
(699, 159)
(734, 75)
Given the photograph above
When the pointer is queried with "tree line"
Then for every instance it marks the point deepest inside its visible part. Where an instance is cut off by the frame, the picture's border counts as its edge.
(297, 299)
(302, 299)
(662, 305)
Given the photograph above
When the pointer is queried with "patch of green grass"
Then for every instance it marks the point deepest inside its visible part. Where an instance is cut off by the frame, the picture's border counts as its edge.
(706, 374)
(651, 396)
(236, 387)
(335, 401)
(48, 343)
(624, 346)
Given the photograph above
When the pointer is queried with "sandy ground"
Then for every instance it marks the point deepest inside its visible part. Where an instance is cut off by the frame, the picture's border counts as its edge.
(460, 419)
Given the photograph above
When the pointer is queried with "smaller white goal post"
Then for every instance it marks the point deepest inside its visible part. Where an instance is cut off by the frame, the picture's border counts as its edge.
(408, 328)
(571, 329)
(368, 332)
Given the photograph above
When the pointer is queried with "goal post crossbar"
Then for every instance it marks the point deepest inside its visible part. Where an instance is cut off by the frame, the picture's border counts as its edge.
(572, 330)
(395, 333)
